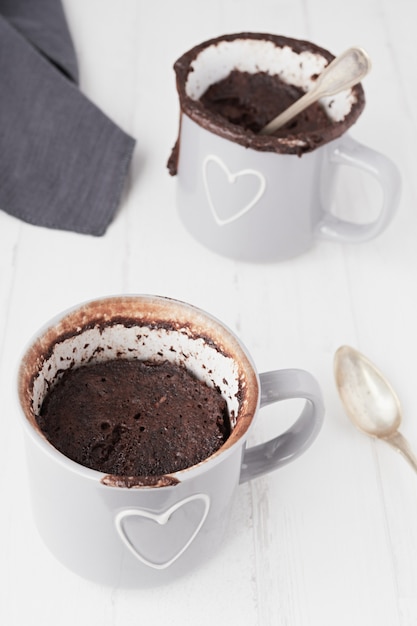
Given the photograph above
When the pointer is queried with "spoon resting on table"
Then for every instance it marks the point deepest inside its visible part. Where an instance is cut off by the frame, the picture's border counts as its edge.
(369, 400)
(345, 71)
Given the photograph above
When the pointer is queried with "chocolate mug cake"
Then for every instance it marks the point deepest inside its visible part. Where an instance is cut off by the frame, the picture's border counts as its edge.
(134, 418)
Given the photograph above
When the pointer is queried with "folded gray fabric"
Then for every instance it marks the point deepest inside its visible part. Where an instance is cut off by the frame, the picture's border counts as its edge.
(43, 23)
(63, 162)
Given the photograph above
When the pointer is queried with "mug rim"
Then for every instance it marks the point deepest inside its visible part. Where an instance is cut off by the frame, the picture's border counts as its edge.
(219, 125)
(27, 368)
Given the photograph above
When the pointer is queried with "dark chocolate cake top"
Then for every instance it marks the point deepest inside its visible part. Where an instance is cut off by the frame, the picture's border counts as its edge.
(134, 418)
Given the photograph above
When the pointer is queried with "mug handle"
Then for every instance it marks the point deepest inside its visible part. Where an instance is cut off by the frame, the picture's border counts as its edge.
(350, 152)
(283, 385)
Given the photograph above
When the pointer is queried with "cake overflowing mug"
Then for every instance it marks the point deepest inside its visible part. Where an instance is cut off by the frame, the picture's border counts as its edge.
(256, 197)
(145, 530)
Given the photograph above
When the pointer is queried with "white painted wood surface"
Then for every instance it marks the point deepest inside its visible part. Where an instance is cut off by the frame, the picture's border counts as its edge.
(330, 540)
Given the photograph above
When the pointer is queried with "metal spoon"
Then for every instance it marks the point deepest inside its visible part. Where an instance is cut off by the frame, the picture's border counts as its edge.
(343, 72)
(369, 400)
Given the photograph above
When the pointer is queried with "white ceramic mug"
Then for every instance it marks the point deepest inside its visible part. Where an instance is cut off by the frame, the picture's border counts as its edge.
(139, 531)
(264, 198)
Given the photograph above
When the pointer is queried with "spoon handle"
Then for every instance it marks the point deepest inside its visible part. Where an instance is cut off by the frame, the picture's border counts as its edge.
(343, 72)
(397, 441)
(299, 105)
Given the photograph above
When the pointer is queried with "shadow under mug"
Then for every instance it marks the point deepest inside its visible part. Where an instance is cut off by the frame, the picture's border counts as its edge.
(260, 198)
(142, 531)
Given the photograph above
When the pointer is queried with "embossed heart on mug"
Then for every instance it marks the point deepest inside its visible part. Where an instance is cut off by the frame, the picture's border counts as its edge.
(230, 194)
(159, 539)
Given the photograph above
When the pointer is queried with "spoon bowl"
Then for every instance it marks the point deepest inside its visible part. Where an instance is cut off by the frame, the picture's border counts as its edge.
(369, 400)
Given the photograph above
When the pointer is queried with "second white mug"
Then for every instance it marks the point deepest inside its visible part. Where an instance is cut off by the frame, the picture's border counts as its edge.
(264, 198)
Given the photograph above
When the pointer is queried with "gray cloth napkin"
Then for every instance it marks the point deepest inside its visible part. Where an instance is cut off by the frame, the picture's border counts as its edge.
(63, 162)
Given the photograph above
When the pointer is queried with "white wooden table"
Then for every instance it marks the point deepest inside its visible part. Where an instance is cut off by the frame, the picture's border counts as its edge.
(330, 540)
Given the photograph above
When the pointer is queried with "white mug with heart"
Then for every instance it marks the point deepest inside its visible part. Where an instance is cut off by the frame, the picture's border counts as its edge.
(142, 530)
(266, 198)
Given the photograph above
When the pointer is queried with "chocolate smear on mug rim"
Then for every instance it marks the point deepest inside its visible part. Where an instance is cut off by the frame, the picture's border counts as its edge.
(296, 144)
(131, 482)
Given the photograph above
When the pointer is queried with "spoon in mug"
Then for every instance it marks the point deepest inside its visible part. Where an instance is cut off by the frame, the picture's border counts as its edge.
(345, 71)
(369, 400)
